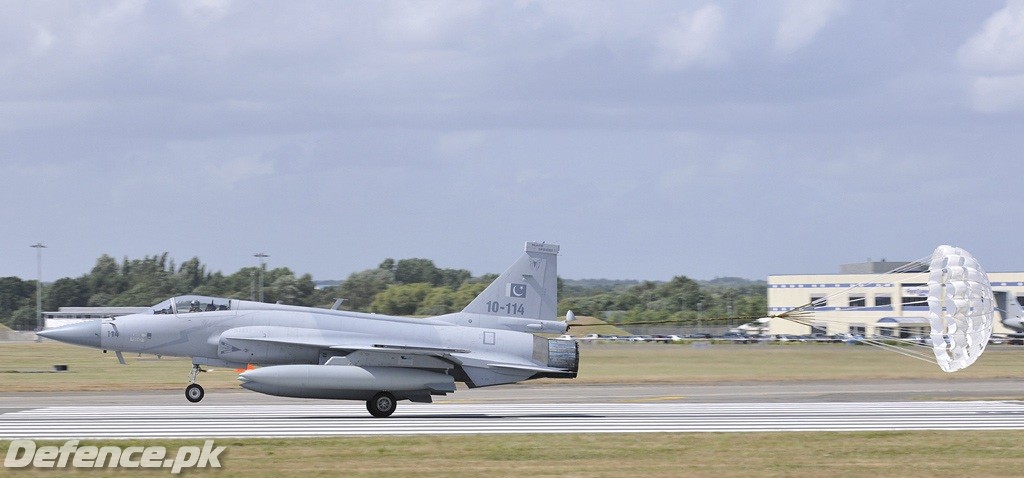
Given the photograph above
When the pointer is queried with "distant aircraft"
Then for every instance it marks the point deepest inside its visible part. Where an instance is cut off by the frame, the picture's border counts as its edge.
(1012, 312)
(311, 352)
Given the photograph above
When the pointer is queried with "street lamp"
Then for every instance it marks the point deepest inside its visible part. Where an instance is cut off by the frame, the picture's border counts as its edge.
(261, 256)
(700, 316)
(39, 246)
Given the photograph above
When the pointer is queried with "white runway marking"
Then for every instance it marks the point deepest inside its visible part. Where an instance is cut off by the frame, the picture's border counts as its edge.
(199, 421)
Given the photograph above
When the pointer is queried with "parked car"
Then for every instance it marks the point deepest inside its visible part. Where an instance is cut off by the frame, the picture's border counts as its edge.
(736, 337)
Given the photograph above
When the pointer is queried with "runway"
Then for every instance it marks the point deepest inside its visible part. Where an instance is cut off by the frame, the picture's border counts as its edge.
(351, 419)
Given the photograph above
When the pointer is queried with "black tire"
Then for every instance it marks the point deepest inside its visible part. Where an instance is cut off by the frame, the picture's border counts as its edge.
(194, 393)
(382, 405)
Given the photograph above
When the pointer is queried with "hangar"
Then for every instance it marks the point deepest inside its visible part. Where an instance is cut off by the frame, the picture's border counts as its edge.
(867, 299)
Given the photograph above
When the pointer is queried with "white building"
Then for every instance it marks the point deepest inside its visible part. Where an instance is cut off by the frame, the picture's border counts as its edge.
(864, 299)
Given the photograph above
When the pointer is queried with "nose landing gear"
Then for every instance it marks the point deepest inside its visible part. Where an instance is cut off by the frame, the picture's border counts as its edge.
(194, 392)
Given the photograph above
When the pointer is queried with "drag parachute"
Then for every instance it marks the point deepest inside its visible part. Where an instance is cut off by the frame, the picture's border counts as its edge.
(960, 308)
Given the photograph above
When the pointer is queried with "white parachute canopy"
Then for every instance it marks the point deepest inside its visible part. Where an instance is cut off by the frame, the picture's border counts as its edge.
(960, 308)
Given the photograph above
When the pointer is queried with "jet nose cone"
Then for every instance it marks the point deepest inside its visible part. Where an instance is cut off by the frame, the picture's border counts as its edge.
(83, 333)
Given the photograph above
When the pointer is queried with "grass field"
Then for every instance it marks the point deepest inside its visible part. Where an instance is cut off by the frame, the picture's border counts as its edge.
(699, 454)
(91, 369)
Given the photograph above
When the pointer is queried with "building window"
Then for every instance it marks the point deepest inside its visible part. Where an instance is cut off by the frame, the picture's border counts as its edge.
(858, 301)
(1020, 299)
(819, 329)
(858, 329)
(915, 302)
(818, 301)
(883, 300)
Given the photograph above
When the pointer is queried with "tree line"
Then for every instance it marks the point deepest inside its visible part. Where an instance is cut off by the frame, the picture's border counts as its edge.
(679, 300)
(413, 286)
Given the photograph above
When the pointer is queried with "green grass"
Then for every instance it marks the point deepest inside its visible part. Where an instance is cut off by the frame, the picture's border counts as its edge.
(703, 363)
(606, 455)
(92, 370)
(939, 453)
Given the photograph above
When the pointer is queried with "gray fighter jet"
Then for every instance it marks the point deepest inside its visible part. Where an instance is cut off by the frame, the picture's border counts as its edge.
(311, 352)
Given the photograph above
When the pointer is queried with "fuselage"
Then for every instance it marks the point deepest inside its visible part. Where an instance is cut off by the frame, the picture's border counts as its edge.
(199, 334)
(237, 333)
(326, 353)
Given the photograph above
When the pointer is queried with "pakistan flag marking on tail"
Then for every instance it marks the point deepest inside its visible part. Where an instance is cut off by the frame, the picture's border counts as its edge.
(528, 289)
(516, 290)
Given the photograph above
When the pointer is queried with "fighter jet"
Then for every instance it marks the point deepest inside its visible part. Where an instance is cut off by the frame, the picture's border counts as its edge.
(310, 352)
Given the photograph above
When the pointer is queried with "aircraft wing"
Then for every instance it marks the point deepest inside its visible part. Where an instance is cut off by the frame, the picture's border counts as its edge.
(326, 344)
(412, 349)
(367, 351)
(324, 340)
(360, 350)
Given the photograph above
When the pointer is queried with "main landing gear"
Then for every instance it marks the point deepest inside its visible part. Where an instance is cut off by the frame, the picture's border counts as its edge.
(194, 392)
(382, 405)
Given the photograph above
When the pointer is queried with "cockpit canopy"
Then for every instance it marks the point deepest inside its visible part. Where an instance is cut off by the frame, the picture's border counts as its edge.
(191, 303)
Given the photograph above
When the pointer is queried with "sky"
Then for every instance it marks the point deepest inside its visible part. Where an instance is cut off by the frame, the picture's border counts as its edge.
(649, 139)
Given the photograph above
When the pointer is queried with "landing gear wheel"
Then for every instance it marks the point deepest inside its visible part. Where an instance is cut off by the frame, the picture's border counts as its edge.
(194, 393)
(382, 405)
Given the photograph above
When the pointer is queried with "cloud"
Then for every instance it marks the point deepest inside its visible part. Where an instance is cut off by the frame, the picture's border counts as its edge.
(679, 179)
(428, 23)
(43, 41)
(558, 116)
(998, 94)
(802, 20)
(205, 11)
(458, 143)
(999, 47)
(238, 170)
(694, 40)
(996, 56)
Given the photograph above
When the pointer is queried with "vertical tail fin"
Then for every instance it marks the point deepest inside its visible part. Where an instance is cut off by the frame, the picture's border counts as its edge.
(524, 297)
(527, 289)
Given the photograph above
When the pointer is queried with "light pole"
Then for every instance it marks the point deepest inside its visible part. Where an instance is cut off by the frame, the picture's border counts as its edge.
(261, 255)
(700, 316)
(39, 246)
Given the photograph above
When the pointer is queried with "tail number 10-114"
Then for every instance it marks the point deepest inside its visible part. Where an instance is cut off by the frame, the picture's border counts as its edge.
(509, 308)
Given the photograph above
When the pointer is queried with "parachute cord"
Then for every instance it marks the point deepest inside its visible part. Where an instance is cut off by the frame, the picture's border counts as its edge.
(914, 354)
(808, 307)
(893, 348)
(808, 323)
(739, 318)
(804, 314)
